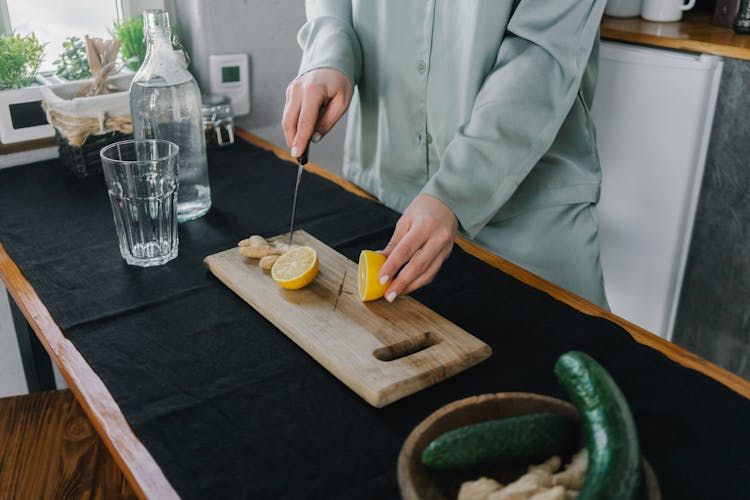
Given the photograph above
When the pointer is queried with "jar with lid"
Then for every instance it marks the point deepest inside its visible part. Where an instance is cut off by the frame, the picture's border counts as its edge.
(218, 122)
(165, 103)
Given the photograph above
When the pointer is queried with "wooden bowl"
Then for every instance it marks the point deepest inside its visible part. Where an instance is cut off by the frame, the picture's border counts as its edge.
(417, 482)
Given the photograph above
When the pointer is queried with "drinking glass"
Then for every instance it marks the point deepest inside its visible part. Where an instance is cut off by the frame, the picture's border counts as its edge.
(142, 180)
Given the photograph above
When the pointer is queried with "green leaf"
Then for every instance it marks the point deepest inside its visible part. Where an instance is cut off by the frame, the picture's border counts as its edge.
(20, 57)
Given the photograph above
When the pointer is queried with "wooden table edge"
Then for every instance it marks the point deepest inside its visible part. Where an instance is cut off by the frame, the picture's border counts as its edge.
(141, 470)
(670, 350)
(694, 33)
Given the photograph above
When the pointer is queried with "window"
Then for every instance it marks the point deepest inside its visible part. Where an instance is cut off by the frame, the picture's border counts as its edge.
(52, 21)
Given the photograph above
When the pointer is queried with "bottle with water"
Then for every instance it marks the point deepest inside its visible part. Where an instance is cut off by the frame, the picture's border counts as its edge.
(165, 103)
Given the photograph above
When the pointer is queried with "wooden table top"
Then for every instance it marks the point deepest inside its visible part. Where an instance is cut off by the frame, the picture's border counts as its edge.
(694, 33)
(134, 459)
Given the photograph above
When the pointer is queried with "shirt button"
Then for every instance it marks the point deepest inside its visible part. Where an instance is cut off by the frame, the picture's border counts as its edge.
(429, 139)
(419, 136)
(421, 67)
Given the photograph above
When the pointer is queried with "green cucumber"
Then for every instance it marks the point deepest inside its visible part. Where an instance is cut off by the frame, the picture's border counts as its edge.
(614, 468)
(498, 442)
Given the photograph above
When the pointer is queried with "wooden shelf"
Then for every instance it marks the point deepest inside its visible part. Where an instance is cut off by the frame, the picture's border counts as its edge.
(694, 33)
(20, 147)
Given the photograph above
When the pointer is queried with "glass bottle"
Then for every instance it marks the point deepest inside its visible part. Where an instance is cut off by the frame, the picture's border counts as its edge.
(165, 103)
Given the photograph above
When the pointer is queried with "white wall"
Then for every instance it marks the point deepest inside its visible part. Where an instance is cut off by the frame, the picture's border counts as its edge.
(267, 31)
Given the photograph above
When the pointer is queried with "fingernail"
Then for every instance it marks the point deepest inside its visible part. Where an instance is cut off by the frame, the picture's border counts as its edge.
(294, 151)
(316, 137)
(384, 279)
(391, 297)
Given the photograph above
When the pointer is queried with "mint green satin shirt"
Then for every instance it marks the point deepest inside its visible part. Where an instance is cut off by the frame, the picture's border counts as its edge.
(483, 104)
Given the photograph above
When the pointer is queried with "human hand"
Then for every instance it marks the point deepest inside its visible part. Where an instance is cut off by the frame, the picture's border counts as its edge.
(320, 89)
(422, 241)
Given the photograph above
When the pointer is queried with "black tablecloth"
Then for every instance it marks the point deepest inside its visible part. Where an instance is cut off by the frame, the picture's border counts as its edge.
(231, 408)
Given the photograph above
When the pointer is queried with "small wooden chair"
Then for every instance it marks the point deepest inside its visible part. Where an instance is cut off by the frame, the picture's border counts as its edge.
(49, 449)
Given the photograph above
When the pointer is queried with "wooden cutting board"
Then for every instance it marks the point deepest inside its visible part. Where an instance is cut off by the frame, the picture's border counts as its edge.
(382, 351)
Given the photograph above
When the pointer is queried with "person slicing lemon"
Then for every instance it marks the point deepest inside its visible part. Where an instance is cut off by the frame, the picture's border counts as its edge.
(470, 116)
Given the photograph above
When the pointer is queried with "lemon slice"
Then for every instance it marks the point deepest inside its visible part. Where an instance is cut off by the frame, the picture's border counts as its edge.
(368, 282)
(295, 268)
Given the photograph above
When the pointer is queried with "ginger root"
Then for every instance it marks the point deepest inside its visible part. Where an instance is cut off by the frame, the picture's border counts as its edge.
(257, 247)
(554, 493)
(541, 482)
(479, 489)
(537, 480)
(574, 475)
(266, 263)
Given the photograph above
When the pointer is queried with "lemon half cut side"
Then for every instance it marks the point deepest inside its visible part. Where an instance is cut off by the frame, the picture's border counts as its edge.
(295, 268)
(368, 282)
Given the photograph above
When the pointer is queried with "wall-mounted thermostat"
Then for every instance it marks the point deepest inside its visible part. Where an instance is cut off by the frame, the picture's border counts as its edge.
(230, 77)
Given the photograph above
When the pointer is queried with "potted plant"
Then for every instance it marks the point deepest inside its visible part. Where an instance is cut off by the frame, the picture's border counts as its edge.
(72, 63)
(132, 44)
(21, 117)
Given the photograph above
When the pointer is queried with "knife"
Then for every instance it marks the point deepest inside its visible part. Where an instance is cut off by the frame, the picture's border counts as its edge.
(301, 162)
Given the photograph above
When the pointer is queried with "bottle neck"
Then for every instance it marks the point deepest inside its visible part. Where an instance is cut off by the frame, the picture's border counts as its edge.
(156, 30)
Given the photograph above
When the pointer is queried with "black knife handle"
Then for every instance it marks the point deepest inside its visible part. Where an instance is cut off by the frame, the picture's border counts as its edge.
(302, 159)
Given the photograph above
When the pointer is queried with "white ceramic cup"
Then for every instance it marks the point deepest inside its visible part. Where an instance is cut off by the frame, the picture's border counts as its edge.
(623, 8)
(665, 10)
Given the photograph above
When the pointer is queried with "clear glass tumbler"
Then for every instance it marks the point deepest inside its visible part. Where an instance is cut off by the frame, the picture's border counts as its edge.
(142, 180)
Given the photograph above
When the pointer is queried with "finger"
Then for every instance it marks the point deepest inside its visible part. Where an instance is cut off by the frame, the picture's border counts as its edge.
(405, 251)
(389, 269)
(432, 254)
(312, 100)
(291, 112)
(334, 111)
(424, 279)
(428, 275)
(402, 227)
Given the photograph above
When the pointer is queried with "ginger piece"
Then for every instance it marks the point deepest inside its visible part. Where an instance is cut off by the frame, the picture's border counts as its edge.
(266, 263)
(554, 493)
(258, 252)
(479, 489)
(253, 241)
(537, 479)
(256, 247)
(574, 475)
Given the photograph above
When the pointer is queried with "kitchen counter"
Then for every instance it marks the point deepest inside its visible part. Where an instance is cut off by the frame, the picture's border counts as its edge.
(196, 394)
(694, 33)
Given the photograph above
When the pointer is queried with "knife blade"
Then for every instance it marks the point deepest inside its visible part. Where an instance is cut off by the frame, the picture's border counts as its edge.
(301, 162)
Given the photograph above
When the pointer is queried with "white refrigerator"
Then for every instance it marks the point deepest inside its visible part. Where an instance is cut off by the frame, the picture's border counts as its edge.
(653, 111)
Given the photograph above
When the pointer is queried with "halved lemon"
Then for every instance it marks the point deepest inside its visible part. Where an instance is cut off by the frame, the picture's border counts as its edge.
(295, 268)
(368, 282)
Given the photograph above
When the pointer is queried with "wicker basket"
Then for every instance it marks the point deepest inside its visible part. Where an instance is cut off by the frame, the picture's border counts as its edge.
(85, 161)
(84, 125)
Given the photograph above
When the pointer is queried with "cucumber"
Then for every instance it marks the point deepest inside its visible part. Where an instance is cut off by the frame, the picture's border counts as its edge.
(498, 442)
(614, 469)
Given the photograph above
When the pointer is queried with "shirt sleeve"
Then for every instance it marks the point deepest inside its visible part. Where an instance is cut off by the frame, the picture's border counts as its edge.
(519, 109)
(328, 39)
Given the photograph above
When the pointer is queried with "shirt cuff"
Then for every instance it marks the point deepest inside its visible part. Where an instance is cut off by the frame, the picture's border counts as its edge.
(328, 42)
